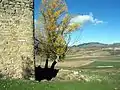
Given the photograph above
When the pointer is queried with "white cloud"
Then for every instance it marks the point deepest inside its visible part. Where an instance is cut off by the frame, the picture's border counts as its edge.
(85, 19)
(35, 21)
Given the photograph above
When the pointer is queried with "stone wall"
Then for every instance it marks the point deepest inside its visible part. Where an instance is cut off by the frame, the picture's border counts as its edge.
(16, 38)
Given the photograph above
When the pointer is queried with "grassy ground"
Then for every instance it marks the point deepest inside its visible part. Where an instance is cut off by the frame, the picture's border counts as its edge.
(74, 85)
(107, 79)
(102, 64)
(77, 57)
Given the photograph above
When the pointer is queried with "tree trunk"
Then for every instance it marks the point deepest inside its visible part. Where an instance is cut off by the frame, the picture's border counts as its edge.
(55, 62)
(46, 63)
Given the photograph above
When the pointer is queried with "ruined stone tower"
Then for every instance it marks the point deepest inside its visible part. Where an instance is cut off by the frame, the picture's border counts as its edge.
(16, 38)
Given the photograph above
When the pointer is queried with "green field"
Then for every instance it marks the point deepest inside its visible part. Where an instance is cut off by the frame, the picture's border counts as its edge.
(101, 78)
(102, 64)
(77, 57)
(74, 85)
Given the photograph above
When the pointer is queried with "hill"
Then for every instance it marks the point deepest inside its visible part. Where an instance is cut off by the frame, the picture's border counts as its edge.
(95, 49)
(96, 44)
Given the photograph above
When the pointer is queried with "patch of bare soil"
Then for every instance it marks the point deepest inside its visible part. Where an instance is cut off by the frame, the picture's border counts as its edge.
(71, 64)
(70, 75)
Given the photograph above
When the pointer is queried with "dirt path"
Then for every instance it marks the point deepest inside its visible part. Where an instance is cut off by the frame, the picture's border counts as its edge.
(104, 59)
(70, 64)
(78, 61)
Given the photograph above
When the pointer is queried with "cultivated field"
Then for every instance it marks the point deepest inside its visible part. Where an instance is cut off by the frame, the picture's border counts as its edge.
(76, 74)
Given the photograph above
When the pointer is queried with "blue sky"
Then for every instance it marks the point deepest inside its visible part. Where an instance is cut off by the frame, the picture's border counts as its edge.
(100, 18)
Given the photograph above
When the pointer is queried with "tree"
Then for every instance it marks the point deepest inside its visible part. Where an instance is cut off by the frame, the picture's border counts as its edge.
(55, 28)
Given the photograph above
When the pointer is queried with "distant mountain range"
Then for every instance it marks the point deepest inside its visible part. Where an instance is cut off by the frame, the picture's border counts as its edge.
(95, 49)
(96, 44)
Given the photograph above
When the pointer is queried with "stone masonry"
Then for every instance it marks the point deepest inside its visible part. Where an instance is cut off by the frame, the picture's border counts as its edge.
(16, 38)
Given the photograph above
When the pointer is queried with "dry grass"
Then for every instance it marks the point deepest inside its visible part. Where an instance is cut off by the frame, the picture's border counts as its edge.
(71, 64)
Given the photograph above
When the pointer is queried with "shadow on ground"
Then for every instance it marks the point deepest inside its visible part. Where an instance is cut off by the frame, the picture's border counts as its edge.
(45, 73)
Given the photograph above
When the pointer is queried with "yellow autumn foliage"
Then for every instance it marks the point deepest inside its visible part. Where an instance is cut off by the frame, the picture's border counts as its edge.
(73, 27)
(52, 10)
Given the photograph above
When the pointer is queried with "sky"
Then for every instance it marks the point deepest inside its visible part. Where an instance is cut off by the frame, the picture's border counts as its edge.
(100, 20)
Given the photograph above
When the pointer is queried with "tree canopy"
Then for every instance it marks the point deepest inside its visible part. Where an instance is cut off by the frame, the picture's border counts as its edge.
(54, 28)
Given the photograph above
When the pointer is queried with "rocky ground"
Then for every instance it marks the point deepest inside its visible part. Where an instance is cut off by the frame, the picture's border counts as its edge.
(76, 75)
